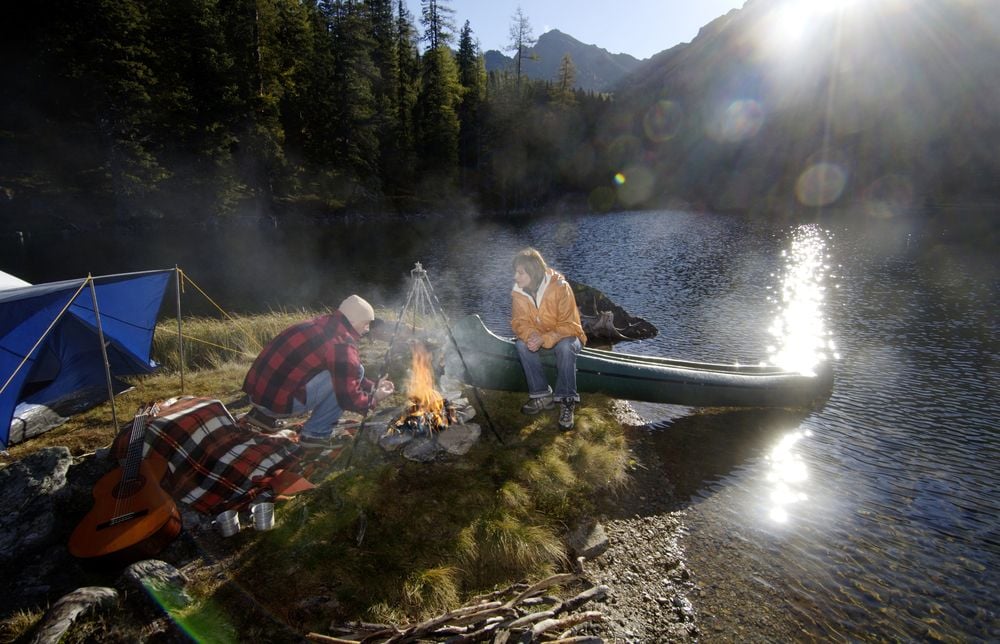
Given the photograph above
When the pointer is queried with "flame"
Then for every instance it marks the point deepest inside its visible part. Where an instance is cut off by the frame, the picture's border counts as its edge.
(423, 396)
(428, 411)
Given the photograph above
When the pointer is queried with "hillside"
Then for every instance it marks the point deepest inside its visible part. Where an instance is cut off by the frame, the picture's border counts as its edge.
(768, 112)
(597, 69)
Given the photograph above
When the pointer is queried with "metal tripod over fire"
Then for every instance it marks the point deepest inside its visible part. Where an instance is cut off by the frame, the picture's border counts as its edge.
(423, 307)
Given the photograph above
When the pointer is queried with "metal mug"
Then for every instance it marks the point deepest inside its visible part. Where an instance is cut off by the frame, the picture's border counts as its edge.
(228, 522)
(263, 515)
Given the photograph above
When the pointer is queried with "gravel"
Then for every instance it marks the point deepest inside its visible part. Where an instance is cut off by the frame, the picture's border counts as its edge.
(644, 564)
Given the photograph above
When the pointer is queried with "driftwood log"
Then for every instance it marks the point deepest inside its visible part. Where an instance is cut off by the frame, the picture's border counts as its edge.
(604, 321)
(521, 613)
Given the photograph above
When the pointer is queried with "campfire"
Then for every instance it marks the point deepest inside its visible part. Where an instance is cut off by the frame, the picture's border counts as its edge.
(426, 411)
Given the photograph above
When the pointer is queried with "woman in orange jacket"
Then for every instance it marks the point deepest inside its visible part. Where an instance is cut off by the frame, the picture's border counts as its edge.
(545, 319)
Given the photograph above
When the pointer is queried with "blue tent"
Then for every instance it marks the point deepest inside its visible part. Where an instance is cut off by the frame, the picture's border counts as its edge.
(49, 342)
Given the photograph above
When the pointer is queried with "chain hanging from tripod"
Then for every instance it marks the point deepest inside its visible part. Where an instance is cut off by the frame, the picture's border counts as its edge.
(421, 305)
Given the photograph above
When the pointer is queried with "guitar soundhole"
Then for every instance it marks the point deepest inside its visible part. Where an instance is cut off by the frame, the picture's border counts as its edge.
(125, 489)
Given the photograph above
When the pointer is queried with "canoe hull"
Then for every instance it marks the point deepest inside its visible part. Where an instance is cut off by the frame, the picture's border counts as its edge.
(491, 362)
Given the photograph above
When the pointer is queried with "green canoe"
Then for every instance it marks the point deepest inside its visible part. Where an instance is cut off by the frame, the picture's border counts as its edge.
(491, 362)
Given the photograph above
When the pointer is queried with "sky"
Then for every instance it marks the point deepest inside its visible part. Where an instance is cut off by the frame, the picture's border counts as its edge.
(641, 28)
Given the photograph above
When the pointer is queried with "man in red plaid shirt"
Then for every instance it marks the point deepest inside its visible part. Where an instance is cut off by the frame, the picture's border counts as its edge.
(314, 367)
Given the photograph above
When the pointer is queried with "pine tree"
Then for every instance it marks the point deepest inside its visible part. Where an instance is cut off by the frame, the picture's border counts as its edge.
(107, 50)
(354, 131)
(562, 92)
(472, 77)
(401, 166)
(435, 16)
(437, 119)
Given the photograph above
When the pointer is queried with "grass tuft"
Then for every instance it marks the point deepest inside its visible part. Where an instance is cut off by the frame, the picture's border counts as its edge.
(17, 626)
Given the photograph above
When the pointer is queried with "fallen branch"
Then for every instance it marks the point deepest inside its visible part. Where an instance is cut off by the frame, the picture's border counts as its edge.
(565, 622)
(494, 620)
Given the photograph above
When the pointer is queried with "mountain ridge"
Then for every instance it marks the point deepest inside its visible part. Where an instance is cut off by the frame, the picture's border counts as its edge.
(597, 69)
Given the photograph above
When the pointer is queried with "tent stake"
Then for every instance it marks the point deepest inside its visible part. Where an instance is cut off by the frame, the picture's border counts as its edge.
(104, 351)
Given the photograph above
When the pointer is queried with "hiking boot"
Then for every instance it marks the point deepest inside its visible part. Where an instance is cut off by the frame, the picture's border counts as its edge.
(325, 442)
(566, 415)
(535, 405)
(262, 420)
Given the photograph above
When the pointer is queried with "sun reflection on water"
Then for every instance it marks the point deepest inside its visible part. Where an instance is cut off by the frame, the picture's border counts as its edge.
(802, 344)
(802, 341)
(787, 472)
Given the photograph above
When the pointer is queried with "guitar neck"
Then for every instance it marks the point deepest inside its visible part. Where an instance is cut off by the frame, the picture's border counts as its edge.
(133, 457)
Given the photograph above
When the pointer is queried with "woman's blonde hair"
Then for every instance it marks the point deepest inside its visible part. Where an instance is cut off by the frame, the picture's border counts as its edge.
(533, 264)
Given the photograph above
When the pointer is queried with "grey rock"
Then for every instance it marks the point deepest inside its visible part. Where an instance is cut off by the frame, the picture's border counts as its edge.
(459, 439)
(588, 539)
(31, 487)
(422, 450)
(392, 442)
(160, 585)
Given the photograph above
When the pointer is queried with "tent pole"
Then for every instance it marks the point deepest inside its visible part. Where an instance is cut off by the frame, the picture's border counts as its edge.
(180, 335)
(104, 351)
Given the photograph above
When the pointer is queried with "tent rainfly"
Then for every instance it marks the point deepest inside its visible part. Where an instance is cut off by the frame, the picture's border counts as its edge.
(50, 338)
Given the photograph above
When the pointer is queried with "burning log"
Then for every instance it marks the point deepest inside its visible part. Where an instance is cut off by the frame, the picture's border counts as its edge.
(420, 421)
(427, 410)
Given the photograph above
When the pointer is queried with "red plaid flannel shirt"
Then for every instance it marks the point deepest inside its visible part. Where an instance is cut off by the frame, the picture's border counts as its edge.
(326, 343)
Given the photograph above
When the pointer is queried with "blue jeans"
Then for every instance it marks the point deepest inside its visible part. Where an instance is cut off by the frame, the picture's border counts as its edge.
(322, 402)
(565, 353)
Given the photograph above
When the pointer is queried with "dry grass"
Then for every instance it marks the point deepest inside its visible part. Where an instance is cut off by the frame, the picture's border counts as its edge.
(385, 539)
(17, 625)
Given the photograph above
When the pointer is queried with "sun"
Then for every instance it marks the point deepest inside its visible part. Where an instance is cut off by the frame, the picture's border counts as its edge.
(791, 22)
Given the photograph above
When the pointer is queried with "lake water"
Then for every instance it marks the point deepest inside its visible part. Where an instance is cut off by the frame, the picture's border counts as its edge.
(875, 517)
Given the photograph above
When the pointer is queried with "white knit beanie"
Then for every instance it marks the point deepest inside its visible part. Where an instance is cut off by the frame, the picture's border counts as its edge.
(357, 311)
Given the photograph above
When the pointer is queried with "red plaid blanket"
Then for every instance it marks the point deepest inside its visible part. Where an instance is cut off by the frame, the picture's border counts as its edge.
(213, 462)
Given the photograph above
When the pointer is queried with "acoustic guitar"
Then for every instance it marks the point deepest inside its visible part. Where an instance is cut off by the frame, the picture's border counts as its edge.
(132, 518)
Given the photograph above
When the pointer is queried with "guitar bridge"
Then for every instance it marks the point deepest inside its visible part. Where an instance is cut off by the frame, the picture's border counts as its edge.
(122, 519)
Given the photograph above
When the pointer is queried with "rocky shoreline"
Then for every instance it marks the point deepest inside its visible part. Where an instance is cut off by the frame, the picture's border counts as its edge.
(644, 564)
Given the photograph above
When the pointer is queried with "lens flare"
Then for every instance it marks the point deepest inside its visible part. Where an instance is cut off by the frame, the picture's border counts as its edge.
(821, 184)
(888, 197)
(740, 120)
(637, 188)
(662, 121)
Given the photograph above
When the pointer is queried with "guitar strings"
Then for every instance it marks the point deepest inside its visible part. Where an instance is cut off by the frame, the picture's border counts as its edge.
(133, 457)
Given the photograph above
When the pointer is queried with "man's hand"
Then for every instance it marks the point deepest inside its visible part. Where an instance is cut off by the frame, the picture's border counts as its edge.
(534, 341)
(384, 389)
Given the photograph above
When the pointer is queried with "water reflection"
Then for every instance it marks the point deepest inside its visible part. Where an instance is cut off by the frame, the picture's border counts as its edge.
(787, 471)
(799, 327)
(702, 447)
